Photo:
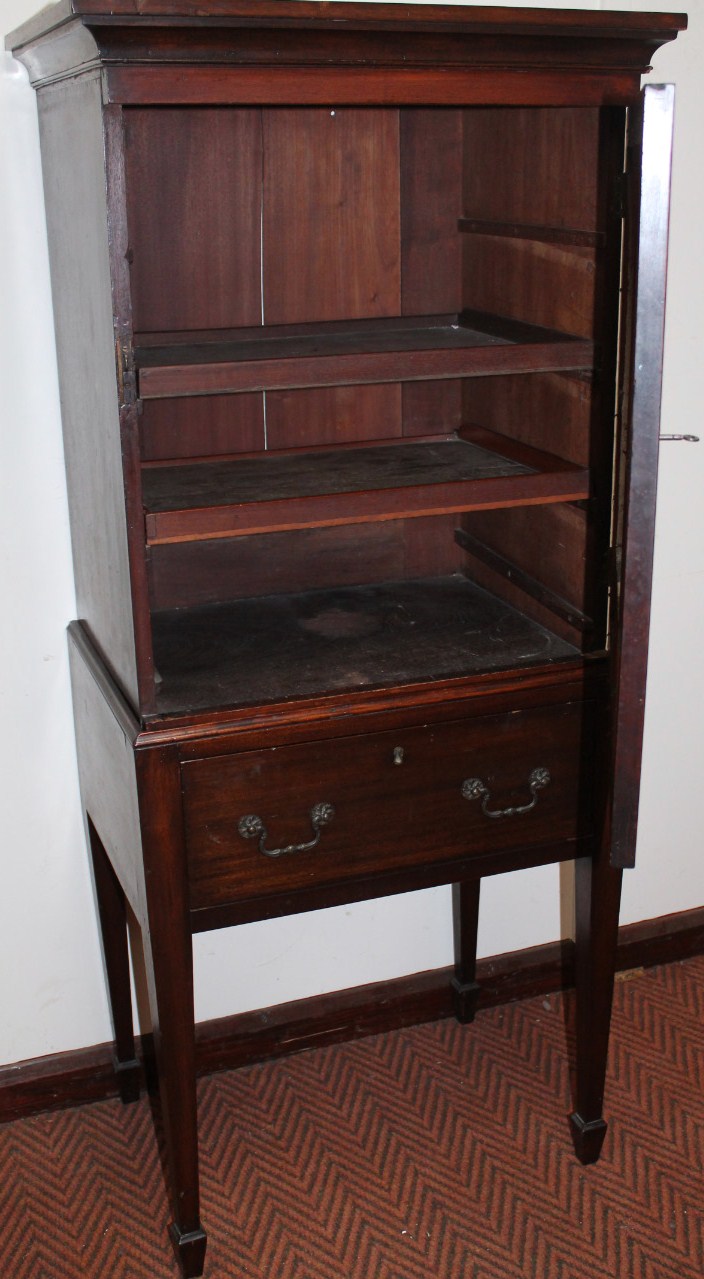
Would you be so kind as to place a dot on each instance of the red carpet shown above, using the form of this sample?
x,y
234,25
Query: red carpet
x,y
439,1152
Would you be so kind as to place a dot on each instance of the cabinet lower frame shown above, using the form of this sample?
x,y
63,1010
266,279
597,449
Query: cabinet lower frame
x,y
148,838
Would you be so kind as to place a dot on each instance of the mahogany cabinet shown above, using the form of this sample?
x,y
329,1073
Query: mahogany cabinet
x,y
359,311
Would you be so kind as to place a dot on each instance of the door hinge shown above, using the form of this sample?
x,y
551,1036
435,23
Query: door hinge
x,y
126,379
620,195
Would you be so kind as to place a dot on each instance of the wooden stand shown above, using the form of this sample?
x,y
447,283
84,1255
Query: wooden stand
x,y
363,599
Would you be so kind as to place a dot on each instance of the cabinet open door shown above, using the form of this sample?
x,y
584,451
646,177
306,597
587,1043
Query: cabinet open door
x,y
645,266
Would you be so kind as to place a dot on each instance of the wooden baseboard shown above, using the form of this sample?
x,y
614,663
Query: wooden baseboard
x,y
75,1078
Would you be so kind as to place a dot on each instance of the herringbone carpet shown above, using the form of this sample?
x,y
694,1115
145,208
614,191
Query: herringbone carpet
x,y
438,1152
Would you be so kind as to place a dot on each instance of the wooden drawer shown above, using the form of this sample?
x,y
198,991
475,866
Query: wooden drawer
x,y
383,801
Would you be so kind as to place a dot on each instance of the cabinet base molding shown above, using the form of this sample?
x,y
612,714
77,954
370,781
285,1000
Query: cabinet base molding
x,y
85,1075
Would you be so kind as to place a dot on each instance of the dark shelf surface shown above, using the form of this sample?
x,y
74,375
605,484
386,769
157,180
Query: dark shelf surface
x,y
305,489
283,647
274,477
396,349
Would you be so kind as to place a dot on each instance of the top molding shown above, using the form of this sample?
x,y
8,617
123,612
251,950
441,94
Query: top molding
x,y
358,17
142,43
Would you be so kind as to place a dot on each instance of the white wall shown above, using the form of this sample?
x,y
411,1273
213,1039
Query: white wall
x,y
52,988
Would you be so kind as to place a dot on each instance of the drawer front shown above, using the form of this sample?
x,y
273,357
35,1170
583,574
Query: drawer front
x,y
324,812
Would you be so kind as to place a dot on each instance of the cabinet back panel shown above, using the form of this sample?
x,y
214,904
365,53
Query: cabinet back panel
x,y
331,214
431,249
193,211
332,415
187,574
332,251
206,426
431,407
431,201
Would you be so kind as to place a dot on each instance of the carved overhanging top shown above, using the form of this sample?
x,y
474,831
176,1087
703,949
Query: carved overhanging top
x,y
363,16
76,34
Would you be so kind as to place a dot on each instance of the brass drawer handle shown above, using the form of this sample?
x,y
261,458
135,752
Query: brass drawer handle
x,y
252,827
474,788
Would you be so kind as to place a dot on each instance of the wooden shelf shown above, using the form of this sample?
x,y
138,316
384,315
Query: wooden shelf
x,y
405,349
273,492
268,650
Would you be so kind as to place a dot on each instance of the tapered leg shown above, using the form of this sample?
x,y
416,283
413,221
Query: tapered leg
x,y
113,927
598,896
169,960
465,907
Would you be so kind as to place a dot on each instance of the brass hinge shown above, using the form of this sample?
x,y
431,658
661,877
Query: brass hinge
x,y
124,364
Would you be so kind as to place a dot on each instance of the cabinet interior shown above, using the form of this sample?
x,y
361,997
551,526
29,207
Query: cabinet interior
x,y
373,397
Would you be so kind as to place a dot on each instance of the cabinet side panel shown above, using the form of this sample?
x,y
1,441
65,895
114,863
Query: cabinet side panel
x,y
552,545
73,161
543,164
107,773
550,411
536,158
542,244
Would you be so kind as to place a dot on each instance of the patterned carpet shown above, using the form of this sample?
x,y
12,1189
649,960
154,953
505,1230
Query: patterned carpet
x,y
438,1152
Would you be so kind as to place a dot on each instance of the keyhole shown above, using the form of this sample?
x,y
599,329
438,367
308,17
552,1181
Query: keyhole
x,y
398,754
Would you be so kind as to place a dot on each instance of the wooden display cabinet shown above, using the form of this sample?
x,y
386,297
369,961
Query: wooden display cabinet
x,y
349,300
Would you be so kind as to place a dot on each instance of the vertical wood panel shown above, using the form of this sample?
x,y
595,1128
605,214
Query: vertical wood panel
x,y
430,547
73,161
431,202
545,170
331,252
532,165
543,165
107,771
194,200
332,415
200,425
549,543
549,411
185,574
193,573
533,282
331,214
